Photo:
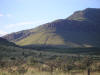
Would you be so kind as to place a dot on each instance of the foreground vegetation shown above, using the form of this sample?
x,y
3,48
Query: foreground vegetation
x,y
21,61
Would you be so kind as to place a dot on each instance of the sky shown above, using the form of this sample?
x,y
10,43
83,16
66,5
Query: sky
x,y
16,15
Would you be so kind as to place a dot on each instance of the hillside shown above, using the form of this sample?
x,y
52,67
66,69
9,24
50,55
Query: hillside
x,y
81,29
6,42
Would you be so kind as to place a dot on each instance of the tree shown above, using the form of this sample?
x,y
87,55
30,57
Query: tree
x,y
88,62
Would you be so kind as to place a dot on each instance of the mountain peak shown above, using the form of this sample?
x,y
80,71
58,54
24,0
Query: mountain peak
x,y
88,14
91,9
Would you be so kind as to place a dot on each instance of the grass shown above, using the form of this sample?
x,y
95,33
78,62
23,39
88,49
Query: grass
x,y
34,72
42,38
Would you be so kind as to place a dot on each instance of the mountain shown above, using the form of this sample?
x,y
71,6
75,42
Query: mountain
x,y
81,29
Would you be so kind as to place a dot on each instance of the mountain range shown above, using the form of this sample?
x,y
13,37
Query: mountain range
x,y
81,29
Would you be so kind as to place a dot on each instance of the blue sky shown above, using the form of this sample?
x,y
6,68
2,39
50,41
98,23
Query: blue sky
x,y
16,15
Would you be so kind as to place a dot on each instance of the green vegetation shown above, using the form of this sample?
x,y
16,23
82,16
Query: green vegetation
x,y
46,38
48,61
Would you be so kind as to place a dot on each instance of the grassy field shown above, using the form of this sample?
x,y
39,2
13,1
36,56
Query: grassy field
x,y
49,61
34,72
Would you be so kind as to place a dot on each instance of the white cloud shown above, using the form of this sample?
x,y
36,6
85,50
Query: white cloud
x,y
1,15
8,15
2,33
17,24
34,23
23,25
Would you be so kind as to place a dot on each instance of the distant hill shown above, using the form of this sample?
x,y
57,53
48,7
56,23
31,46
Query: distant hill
x,y
81,29
5,42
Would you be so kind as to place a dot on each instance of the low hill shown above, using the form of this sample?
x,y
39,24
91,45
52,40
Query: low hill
x,y
6,42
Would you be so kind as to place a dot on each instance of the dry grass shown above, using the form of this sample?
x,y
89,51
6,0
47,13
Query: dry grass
x,y
32,71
